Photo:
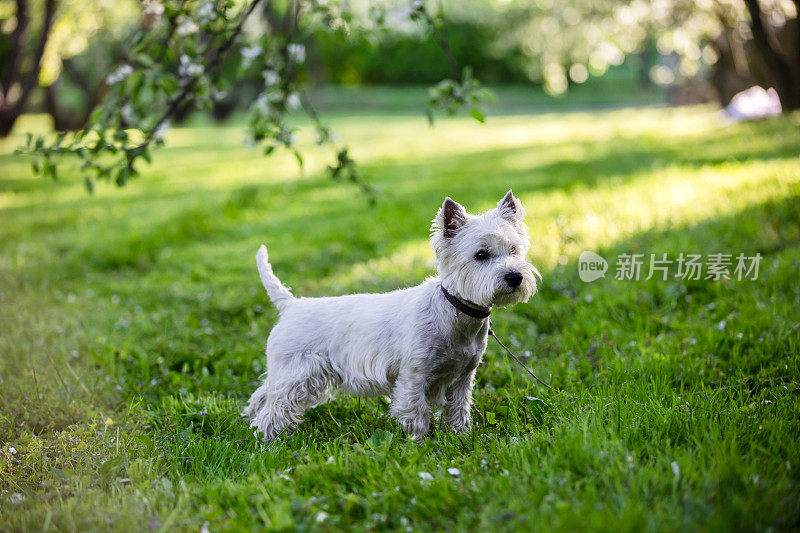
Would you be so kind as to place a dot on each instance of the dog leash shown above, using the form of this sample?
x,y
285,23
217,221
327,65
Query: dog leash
x,y
528,370
476,312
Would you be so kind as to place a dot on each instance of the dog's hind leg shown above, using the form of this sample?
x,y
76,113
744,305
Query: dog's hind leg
x,y
279,404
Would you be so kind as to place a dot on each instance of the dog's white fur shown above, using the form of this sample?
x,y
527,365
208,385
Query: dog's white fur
x,y
410,344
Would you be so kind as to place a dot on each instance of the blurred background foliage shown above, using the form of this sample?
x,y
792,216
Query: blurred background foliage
x,y
118,73
697,50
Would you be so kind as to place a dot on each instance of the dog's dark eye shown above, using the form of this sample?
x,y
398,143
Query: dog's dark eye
x,y
513,250
482,255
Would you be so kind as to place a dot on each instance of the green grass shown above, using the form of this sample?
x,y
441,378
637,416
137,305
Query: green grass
x,y
132,326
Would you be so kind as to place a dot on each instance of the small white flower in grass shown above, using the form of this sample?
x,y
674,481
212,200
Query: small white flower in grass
x,y
676,469
321,517
721,325
296,52
455,472
12,450
16,498
426,476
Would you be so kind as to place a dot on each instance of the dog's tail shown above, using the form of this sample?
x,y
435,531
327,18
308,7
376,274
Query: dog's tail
x,y
276,290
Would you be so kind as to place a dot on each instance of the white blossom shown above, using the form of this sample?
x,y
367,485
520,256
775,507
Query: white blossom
x,y
206,12
293,101
262,105
122,72
187,68
455,472
425,476
128,114
186,27
153,8
12,450
297,52
270,77
161,131
249,53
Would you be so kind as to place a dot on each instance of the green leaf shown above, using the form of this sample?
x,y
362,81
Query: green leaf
x,y
477,115
380,440
122,176
298,156
491,418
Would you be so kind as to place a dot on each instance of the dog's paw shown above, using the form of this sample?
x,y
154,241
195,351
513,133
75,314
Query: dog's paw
x,y
416,428
460,422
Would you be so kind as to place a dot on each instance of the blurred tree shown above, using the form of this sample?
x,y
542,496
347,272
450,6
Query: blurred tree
x,y
193,54
22,46
55,43
741,41
87,41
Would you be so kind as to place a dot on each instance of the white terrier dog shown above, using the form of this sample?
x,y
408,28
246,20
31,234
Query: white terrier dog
x,y
420,346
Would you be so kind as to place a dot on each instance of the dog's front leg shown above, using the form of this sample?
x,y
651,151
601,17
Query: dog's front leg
x,y
458,402
409,405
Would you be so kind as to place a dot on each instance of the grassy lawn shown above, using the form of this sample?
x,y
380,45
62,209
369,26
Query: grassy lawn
x,y
132,327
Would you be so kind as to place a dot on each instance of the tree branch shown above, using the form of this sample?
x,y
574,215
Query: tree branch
x,y
176,102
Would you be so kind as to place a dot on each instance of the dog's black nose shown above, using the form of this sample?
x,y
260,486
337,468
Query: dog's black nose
x,y
514,279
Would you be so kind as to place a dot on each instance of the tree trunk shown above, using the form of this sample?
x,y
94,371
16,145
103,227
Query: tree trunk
x,y
10,111
785,72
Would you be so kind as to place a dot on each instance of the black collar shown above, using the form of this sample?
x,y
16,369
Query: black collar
x,y
464,308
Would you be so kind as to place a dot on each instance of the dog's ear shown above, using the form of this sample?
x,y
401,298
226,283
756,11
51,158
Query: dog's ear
x,y
450,218
510,207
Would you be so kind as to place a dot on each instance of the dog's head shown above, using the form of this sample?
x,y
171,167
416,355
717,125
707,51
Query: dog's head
x,y
481,258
